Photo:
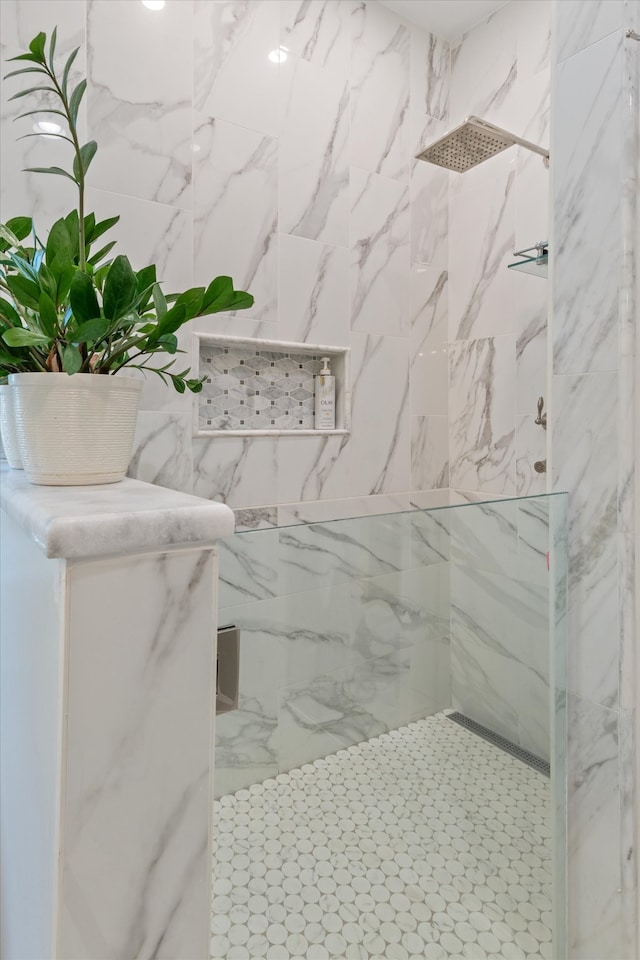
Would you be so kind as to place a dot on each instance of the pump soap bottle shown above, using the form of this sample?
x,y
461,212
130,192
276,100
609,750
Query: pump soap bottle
x,y
325,386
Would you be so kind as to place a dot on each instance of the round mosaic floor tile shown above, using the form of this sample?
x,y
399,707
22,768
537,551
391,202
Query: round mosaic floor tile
x,y
426,843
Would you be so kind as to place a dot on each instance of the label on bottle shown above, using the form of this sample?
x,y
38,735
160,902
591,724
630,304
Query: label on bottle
x,y
325,405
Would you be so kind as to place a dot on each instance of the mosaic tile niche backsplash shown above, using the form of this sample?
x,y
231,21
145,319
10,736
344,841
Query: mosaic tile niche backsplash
x,y
249,389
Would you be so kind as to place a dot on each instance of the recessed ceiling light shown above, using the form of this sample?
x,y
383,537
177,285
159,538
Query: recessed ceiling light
x,y
47,128
153,4
279,55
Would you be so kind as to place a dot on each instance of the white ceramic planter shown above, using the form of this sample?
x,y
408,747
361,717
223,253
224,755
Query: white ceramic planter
x,y
8,428
75,430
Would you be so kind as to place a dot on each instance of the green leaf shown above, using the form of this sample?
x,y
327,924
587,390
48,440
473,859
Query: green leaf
x,y
37,45
24,56
9,313
92,331
63,271
75,100
23,267
159,301
146,278
97,257
25,93
220,295
83,299
52,46
72,220
20,226
101,228
172,321
119,288
8,236
71,359
57,170
32,113
81,164
191,300
67,68
25,292
195,385
219,291
16,73
47,281
48,316
19,337
59,243
89,226
169,343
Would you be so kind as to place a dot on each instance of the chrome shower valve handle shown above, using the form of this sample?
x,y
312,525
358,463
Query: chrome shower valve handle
x,y
541,419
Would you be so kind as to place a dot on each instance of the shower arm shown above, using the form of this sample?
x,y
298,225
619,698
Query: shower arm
x,y
519,140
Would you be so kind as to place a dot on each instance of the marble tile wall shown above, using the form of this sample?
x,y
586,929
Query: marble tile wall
x,y
500,670
344,635
278,148
497,325
594,449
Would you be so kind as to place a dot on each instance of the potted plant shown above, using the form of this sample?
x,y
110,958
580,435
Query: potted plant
x,y
71,316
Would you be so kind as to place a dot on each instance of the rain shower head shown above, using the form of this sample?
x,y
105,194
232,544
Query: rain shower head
x,y
472,142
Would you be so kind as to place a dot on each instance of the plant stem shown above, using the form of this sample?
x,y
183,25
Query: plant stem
x,y
80,181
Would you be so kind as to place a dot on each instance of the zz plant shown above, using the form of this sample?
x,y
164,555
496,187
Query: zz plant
x,y
64,305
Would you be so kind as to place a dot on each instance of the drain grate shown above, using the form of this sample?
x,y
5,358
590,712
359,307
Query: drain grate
x,y
529,758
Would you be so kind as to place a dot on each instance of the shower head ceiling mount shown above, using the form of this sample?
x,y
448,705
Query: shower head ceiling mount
x,y
472,142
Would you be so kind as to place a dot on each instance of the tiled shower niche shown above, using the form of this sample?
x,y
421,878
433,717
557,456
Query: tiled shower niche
x,y
260,386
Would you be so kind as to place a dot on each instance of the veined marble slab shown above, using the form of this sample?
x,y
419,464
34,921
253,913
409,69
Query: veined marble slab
x,y
115,518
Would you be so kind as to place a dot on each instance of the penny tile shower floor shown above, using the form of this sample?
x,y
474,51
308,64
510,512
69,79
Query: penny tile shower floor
x,y
427,842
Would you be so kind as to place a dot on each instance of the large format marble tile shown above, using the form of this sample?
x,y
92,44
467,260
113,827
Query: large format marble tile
x,y
314,468
581,23
399,611
534,38
248,567
343,708
313,292
429,363
429,188
314,155
239,471
500,655
343,551
380,457
485,536
593,828
429,75
482,395
481,244
235,225
380,259
138,111
531,344
121,806
380,82
585,464
429,453
162,450
531,448
235,79
588,131
319,31
484,71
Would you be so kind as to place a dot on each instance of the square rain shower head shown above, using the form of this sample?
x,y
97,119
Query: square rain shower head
x,y
467,145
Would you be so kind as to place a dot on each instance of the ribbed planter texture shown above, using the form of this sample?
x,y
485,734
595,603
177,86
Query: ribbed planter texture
x,y
75,430
8,428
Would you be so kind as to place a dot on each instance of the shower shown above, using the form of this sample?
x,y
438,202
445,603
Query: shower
x,y
472,142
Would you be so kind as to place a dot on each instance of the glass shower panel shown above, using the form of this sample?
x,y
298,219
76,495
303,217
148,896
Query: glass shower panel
x,y
369,802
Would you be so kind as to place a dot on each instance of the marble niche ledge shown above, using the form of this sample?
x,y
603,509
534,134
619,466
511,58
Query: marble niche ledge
x,y
110,519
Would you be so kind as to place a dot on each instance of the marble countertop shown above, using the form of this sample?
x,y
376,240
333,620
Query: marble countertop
x,y
110,519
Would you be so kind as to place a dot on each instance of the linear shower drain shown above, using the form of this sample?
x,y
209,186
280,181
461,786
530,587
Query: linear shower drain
x,y
529,758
